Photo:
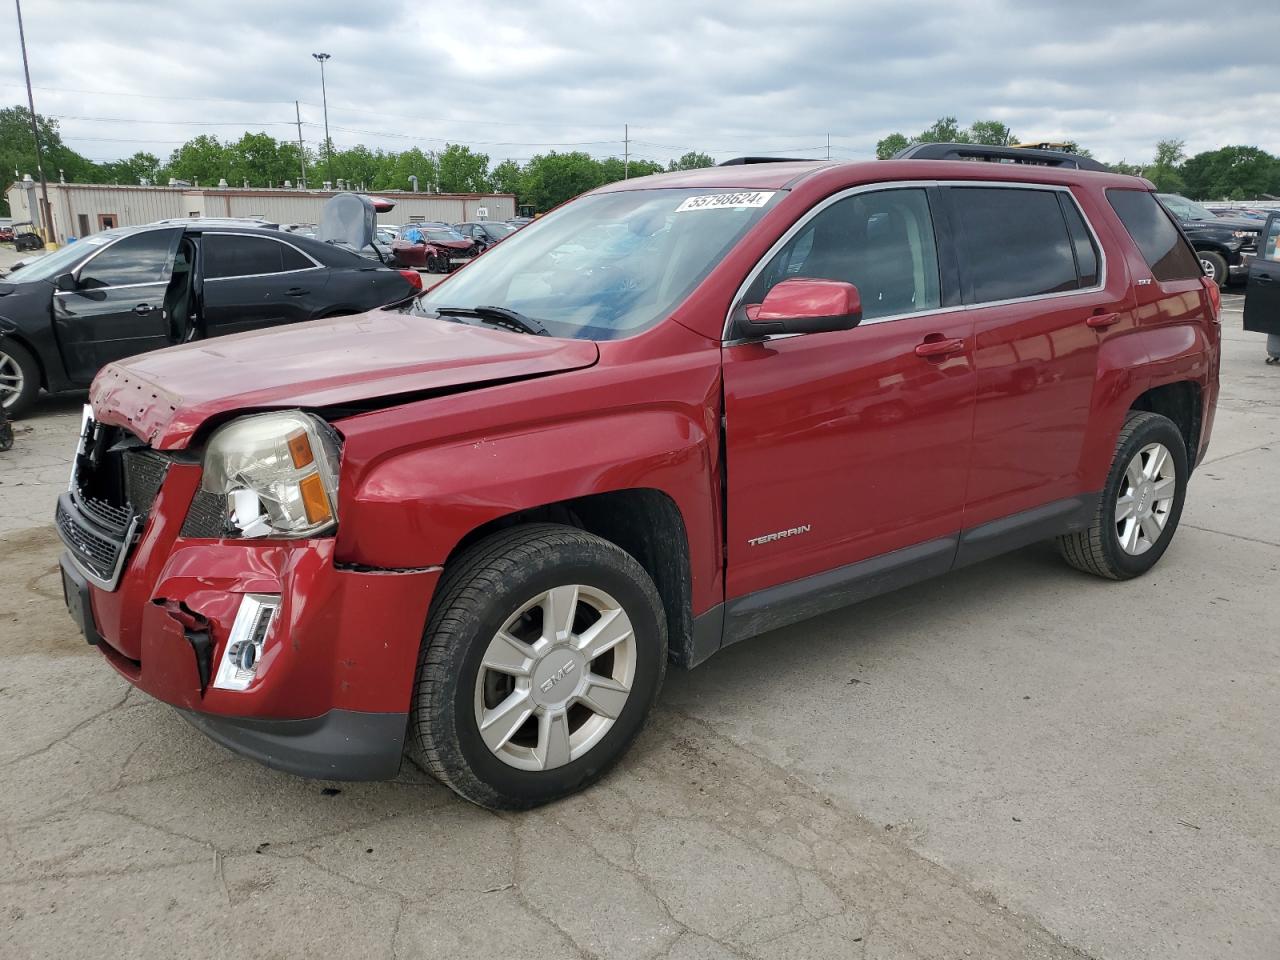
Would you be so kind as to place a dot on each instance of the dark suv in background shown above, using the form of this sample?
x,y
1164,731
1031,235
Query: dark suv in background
x,y
1225,245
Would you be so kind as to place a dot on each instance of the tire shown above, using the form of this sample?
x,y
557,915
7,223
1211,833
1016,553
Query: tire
x,y
512,582
1214,266
1120,552
19,378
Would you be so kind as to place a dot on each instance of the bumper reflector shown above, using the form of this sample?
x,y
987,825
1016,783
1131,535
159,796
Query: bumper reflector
x,y
238,665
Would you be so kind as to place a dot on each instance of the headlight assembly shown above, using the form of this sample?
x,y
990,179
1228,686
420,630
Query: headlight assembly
x,y
278,472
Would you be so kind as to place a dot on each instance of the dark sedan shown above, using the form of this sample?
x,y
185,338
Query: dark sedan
x,y
485,232
134,289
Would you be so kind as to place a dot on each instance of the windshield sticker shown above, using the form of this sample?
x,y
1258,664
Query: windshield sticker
x,y
721,201
96,241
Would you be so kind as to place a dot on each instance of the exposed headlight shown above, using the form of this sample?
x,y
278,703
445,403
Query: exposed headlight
x,y
279,473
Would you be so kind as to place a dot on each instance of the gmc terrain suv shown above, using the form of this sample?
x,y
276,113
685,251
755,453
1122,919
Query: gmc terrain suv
x,y
479,526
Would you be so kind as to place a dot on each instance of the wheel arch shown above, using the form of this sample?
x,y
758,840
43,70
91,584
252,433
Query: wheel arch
x,y
646,523
27,345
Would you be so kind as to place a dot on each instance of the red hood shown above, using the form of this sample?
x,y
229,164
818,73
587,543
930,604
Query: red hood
x,y
165,396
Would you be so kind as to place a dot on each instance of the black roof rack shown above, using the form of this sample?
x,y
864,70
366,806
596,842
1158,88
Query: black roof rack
x,y
974,151
738,161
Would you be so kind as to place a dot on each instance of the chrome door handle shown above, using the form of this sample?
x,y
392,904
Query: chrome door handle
x,y
143,308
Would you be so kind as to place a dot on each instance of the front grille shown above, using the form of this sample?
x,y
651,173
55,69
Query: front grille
x,y
114,482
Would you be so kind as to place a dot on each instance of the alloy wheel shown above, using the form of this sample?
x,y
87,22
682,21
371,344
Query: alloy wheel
x,y
11,380
1210,269
555,678
1145,500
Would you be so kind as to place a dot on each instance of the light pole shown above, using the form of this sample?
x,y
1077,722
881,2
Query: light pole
x,y
324,99
47,219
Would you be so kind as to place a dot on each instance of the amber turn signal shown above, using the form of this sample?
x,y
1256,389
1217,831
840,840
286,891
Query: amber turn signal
x,y
314,499
300,450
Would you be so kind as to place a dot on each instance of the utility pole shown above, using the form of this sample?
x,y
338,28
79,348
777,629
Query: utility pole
x,y
324,99
47,218
626,151
302,153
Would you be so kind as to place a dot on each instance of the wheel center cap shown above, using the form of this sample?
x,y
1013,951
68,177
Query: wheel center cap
x,y
556,676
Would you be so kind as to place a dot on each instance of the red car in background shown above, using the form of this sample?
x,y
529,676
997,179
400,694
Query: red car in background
x,y
434,247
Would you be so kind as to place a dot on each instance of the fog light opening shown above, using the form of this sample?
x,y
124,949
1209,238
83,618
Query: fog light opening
x,y
240,661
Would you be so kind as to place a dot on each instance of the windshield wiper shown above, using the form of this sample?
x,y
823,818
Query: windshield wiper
x,y
501,316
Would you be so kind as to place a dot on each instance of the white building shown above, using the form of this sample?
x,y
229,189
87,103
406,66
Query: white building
x,y
80,209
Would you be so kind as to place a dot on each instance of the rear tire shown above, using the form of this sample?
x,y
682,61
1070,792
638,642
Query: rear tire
x,y
510,710
1140,505
1214,266
19,378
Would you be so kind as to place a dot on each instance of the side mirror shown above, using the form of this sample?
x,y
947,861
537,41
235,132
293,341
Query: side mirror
x,y
65,282
802,305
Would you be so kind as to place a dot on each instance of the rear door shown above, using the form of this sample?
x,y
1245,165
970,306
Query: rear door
x,y
847,445
117,308
252,281
1262,295
1032,274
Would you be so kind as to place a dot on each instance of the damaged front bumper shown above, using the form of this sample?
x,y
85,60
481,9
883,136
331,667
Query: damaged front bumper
x,y
325,689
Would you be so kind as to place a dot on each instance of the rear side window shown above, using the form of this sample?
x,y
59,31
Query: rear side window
x,y
1081,242
1168,255
232,255
881,242
1015,243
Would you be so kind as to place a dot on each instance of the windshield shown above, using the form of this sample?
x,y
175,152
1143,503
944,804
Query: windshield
x,y
444,236
63,260
608,265
497,229
1186,209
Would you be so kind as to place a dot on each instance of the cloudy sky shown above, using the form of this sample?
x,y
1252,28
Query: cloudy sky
x,y
724,76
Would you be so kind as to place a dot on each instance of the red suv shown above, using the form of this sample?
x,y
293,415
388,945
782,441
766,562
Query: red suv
x,y
480,525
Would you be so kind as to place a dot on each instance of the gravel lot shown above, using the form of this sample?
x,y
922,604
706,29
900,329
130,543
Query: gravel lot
x,y
1012,761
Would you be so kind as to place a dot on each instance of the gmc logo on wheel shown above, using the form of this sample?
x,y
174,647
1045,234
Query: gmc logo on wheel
x,y
556,677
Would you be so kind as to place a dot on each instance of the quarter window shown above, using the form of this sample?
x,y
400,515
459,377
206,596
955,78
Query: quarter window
x,y
233,255
1163,247
1082,242
139,258
1015,243
881,242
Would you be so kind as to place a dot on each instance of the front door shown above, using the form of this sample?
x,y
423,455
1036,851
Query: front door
x,y
845,446
1262,295
117,307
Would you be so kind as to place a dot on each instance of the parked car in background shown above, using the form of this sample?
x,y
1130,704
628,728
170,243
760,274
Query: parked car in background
x,y
1248,213
519,222
1225,245
1262,295
481,524
435,248
485,232
6,233
135,289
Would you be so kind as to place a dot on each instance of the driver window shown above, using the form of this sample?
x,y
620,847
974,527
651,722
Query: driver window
x,y
881,242
145,257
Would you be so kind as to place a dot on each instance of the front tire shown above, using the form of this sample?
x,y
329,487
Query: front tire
x,y
1140,505
543,654
19,378
1214,266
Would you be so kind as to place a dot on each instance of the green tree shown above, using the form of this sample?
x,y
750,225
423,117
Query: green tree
x,y
693,160
18,152
1123,166
508,177
1163,171
462,171
262,160
1231,173
944,130
131,170
891,146
552,178
613,168
992,133
202,160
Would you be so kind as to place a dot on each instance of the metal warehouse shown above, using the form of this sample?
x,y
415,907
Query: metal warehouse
x,y
80,209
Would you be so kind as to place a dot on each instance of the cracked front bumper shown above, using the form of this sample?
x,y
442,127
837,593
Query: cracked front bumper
x,y
331,693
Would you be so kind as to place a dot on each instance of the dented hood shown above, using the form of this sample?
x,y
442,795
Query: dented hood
x,y
165,396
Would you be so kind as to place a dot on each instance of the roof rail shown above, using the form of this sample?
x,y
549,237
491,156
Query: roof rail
x,y
738,161
975,151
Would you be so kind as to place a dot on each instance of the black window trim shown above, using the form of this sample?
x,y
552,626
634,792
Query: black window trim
x,y
316,264
1065,194
945,258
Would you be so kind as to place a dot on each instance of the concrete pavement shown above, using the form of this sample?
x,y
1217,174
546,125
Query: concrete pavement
x,y
1015,760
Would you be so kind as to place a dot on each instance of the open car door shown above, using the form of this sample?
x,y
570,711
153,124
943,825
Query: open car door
x,y
1262,295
